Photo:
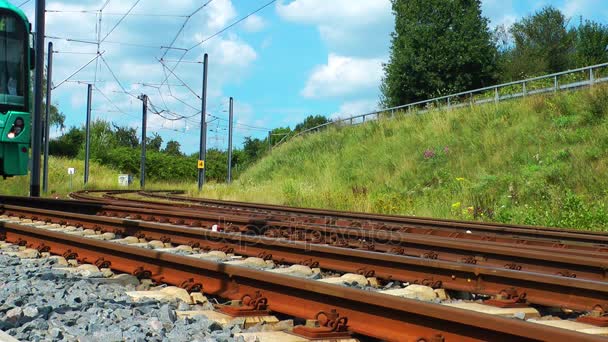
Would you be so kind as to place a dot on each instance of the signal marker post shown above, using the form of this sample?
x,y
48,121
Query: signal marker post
x,y
47,120
202,153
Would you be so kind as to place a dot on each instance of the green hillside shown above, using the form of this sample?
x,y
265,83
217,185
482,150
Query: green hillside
x,y
542,160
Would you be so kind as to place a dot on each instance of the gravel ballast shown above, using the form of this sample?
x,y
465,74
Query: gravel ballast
x,y
40,303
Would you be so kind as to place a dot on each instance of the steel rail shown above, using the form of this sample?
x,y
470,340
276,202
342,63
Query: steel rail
x,y
371,314
543,289
422,225
532,241
535,259
567,263
582,235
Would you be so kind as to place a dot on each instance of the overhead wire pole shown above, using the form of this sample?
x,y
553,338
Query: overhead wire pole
x,y
144,124
87,149
231,118
37,117
202,153
47,121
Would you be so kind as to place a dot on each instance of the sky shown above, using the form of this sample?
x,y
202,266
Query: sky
x,y
290,59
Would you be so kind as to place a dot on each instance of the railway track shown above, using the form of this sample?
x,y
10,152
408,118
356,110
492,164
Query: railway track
x,y
568,275
543,289
527,236
369,313
547,261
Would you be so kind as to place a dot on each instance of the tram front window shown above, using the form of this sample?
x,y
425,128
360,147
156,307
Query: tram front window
x,y
13,69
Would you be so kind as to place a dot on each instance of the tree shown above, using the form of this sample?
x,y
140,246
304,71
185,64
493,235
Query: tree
x,y
542,44
253,148
173,148
277,134
310,122
591,44
67,145
438,47
154,143
126,136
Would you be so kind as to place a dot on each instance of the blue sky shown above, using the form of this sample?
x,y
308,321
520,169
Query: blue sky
x,y
291,59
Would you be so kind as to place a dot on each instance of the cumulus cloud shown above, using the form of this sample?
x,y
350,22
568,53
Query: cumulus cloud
x,y
499,12
231,57
348,27
254,23
343,76
356,107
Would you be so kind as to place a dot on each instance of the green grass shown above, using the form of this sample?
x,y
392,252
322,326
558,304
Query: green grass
x,y
542,160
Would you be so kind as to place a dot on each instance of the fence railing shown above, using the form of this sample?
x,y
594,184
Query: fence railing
x,y
565,80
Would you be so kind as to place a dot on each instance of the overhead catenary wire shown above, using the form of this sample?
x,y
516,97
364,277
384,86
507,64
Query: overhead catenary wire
x,y
112,102
77,71
119,21
169,71
218,33
119,14
181,29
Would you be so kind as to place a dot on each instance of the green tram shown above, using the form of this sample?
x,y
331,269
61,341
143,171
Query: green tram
x,y
15,90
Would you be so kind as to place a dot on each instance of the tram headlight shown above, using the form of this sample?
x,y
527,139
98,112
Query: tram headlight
x,y
16,129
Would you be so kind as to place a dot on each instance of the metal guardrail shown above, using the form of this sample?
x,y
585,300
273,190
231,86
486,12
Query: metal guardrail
x,y
491,94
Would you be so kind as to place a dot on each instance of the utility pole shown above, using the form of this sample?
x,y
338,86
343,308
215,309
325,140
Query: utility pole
x,y
47,120
87,146
144,124
202,153
230,119
37,114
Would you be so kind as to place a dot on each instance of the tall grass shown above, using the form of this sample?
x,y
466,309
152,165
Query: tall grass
x,y
542,160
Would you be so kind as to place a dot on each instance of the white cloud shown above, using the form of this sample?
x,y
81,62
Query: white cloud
x,y
588,9
349,27
499,12
232,52
344,76
254,23
356,107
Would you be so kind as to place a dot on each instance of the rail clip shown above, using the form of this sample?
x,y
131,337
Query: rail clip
x,y
598,317
248,306
326,325
508,298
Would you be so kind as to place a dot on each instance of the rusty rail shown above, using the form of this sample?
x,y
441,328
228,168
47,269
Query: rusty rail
x,y
371,314
596,242
544,289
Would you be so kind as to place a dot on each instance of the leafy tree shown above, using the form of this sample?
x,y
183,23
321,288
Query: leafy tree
x,y
67,145
216,165
277,134
310,122
154,143
126,136
173,148
103,139
591,44
438,47
253,148
541,44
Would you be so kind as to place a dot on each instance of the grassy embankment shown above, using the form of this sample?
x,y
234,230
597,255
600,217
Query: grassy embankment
x,y
541,161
